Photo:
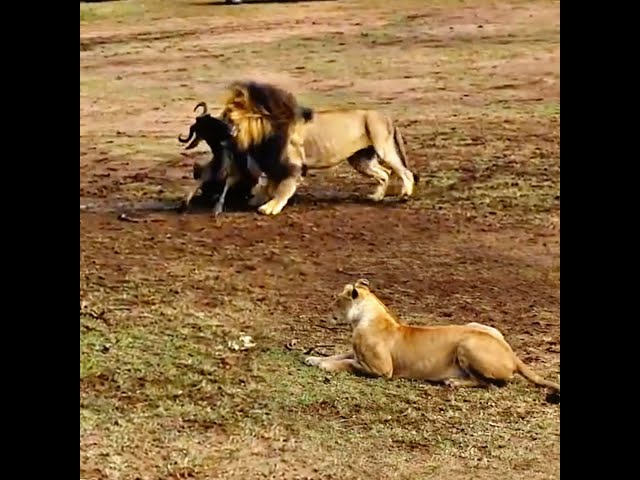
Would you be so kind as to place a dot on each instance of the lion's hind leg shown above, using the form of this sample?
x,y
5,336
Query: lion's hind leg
x,y
389,156
381,134
365,162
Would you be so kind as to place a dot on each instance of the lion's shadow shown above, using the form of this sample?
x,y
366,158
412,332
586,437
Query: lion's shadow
x,y
203,204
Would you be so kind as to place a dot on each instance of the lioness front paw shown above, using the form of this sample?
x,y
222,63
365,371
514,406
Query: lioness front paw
x,y
313,361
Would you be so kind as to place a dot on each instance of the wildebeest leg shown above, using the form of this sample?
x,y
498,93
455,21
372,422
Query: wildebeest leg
x,y
253,168
187,200
205,174
259,194
229,182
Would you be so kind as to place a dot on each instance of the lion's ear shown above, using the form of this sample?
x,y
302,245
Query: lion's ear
x,y
354,293
362,282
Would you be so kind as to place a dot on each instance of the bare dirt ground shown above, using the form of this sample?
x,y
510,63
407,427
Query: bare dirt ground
x,y
164,394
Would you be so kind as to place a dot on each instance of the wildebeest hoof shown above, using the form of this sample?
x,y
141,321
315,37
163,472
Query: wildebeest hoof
x,y
182,207
217,210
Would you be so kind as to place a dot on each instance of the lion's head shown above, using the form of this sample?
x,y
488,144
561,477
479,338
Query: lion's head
x,y
261,111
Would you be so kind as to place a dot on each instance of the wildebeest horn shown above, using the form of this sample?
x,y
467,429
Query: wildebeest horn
x,y
191,134
204,108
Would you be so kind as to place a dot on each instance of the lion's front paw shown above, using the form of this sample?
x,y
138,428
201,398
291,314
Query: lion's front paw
x,y
270,208
313,361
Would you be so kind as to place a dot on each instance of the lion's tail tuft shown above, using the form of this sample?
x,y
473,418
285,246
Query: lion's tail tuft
x,y
305,113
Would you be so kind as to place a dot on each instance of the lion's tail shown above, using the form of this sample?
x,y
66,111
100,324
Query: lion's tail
x,y
304,113
399,141
533,377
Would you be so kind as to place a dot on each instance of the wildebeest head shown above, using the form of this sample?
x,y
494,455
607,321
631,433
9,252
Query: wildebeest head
x,y
216,132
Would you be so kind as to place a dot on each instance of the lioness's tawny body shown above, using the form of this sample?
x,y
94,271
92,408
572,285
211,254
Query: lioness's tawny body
x,y
459,355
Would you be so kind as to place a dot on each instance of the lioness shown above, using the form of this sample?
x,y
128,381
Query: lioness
x,y
362,137
457,355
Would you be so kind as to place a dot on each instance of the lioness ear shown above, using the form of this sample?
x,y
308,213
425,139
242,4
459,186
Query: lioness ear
x,y
354,293
363,282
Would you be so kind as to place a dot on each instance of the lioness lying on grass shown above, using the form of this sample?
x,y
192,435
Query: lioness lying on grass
x,y
457,355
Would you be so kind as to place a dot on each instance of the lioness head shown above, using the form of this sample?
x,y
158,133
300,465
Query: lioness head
x,y
353,296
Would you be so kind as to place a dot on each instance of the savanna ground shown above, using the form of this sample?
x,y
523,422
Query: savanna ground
x,y
164,394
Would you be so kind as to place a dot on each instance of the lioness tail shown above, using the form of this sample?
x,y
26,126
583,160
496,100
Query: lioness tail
x,y
533,377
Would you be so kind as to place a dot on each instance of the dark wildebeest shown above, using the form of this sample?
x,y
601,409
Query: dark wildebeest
x,y
227,168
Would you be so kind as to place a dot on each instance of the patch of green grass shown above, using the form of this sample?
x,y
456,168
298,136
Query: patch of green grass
x,y
551,109
151,387
343,413
116,10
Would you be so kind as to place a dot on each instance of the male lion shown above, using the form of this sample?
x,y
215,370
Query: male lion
x,y
263,117
457,355
362,137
